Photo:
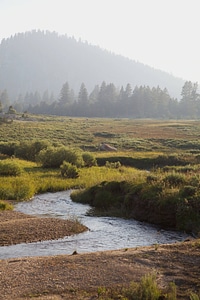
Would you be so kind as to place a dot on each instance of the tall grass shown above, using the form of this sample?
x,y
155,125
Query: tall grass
x,y
146,289
19,188
35,180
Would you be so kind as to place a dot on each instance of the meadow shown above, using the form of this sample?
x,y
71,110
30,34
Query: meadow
x,y
125,134
156,165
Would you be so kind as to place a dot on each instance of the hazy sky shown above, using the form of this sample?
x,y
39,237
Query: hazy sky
x,y
164,34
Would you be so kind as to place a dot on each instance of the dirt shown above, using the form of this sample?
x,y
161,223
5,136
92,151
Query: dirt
x,y
80,276
19,228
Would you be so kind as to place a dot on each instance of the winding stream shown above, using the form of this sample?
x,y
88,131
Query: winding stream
x,y
105,233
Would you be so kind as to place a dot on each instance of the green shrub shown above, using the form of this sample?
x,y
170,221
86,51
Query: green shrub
x,y
188,191
30,150
10,168
89,159
174,179
5,206
53,157
68,170
146,289
113,165
7,148
170,160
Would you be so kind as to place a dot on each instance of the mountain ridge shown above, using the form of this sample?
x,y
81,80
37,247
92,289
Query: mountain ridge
x,y
43,60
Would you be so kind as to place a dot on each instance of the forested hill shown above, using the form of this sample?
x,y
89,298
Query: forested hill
x,y
41,61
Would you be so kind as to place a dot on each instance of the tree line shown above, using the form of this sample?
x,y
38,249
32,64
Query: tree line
x,y
107,100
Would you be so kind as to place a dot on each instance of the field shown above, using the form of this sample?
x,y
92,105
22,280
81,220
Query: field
x,y
125,134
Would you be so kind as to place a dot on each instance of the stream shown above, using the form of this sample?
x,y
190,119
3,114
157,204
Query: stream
x,y
105,233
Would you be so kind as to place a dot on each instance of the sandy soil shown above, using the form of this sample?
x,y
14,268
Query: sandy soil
x,y
79,276
19,228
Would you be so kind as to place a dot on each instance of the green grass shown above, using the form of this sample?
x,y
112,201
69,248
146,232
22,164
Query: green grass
x,y
146,289
125,134
36,180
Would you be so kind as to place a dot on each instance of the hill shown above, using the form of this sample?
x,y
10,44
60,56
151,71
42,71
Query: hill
x,y
40,61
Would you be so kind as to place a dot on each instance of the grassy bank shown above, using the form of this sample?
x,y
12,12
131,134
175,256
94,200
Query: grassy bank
x,y
170,200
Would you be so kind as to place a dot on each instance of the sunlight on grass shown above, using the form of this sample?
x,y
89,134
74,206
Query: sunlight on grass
x,y
95,175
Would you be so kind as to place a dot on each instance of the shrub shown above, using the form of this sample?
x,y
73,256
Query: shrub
x,y
113,165
174,179
7,148
146,289
89,159
30,150
68,170
5,206
170,160
188,191
53,157
9,168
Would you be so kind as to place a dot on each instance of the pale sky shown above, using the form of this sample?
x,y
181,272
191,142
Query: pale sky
x,y
164,34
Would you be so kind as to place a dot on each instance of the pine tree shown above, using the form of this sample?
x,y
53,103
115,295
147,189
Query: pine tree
x,y
65,95
83,94
4,98
188,102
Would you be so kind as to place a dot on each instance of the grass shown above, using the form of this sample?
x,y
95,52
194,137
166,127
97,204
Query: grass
x,y
125,134
37,180
146,289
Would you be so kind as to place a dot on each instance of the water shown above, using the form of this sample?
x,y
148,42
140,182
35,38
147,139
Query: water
x,y
105,233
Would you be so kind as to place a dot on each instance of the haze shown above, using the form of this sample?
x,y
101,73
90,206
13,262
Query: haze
x,y
161,33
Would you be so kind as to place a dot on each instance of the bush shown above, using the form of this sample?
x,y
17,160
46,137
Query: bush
x,y
174,179
9,168
113,165
89,159
68,170
30,150
7,148
53,157
148,289
5,206
188,191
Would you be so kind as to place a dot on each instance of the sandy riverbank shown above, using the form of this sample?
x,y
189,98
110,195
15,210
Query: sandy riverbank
x,y
79,276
